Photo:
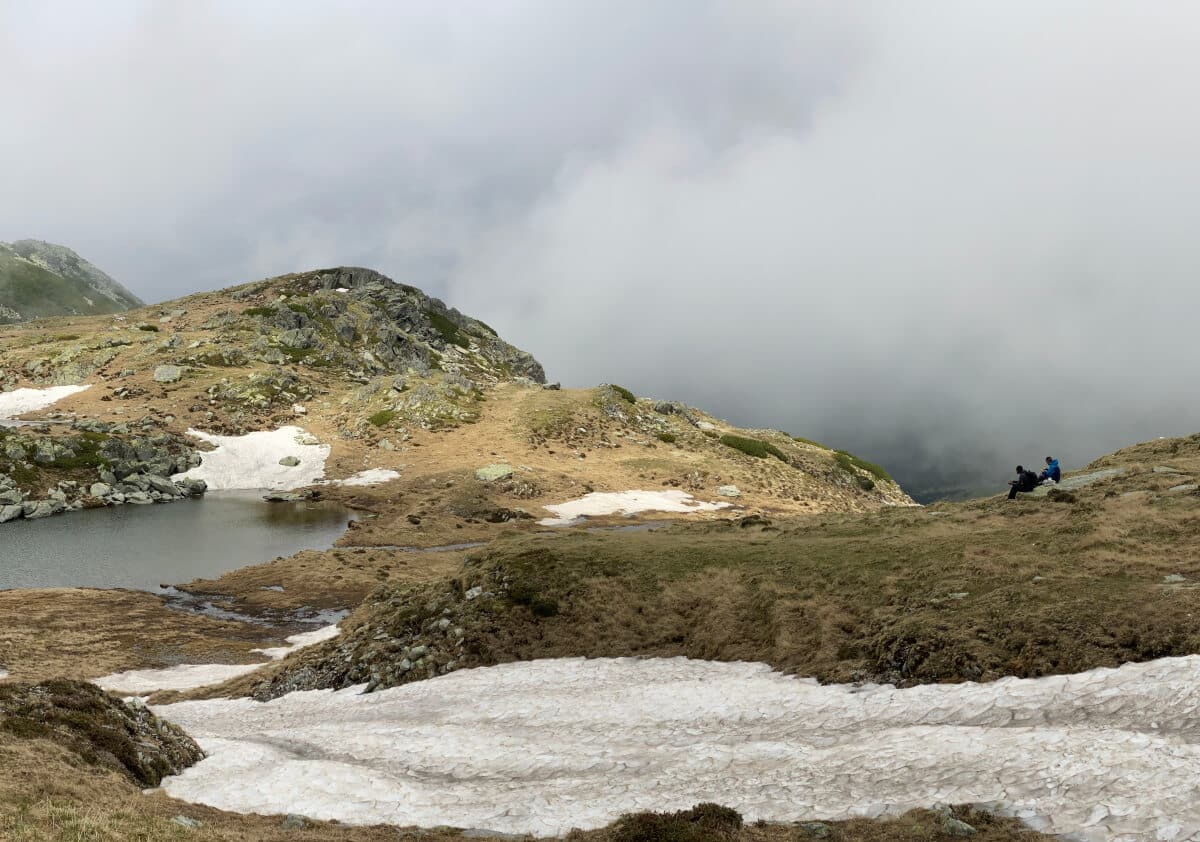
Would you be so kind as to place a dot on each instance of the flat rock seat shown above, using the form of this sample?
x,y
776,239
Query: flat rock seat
x,y
1077,481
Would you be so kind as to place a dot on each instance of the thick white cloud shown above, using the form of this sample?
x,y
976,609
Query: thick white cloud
x,y
918,229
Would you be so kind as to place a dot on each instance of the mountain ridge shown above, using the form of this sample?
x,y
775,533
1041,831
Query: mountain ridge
x,y
40,279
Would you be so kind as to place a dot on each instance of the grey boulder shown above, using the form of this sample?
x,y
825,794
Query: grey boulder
x,y
168,374
43,508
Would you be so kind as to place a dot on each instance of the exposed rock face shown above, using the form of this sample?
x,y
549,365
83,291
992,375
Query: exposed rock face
x,y
100,728
39,279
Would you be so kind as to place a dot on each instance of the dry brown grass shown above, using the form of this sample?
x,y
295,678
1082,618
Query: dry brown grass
x,y
971,591
78,633
337,578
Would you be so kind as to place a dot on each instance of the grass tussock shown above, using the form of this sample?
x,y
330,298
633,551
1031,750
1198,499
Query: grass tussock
x,y
848,463
666,438
623,393
702,823
447,329
382,418
753,447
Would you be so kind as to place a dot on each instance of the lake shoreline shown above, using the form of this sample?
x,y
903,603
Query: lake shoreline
x,y
144,548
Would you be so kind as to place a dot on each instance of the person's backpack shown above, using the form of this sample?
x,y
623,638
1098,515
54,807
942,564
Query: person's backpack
x,y
1029,480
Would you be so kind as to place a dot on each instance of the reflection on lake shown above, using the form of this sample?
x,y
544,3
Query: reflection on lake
x,y
144,546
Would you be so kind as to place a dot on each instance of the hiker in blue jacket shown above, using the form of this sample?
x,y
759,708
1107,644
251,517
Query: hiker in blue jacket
x,y
1052,471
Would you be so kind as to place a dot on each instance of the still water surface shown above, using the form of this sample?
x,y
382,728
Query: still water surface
x,y
144,546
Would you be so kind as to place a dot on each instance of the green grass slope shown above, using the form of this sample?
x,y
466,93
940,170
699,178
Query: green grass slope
x,y
31,291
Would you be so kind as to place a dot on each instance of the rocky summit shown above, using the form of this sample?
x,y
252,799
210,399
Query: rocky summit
x,y
39,279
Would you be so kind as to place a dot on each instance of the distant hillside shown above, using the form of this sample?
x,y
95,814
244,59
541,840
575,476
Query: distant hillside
x,y
40,279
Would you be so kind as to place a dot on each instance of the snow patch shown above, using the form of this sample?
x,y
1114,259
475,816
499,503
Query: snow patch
x,y
20,401
182,677
251,461
299,641
541,747
191,676
601,503
3,673
374,476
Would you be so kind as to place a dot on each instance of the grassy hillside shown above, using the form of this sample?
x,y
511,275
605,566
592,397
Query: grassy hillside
x,y
1097,576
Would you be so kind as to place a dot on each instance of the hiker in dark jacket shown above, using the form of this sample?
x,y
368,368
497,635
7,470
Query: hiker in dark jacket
x,y
1052,471
1025,481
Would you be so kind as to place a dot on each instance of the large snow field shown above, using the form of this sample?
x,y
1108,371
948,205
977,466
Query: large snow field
x,y
600,503
252,460
19,401
191,676
541,747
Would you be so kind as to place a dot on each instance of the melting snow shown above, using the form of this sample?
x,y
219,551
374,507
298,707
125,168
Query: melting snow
x,y
20,401
191,676
252,460
375,476
601,503
544,746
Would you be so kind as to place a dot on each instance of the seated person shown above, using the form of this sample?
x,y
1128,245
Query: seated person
x,y
1052,471
1025,481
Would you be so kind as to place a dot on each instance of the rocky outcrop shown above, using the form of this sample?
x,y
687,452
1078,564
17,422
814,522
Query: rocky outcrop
x,y
362,320
94,464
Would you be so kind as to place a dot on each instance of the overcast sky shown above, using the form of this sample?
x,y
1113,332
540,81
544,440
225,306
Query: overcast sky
x,y
951,236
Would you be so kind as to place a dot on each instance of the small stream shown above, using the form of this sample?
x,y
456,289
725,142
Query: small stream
x,y
141,547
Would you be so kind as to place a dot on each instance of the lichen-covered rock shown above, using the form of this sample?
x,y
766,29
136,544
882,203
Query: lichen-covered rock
x,y
168,374
494,473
